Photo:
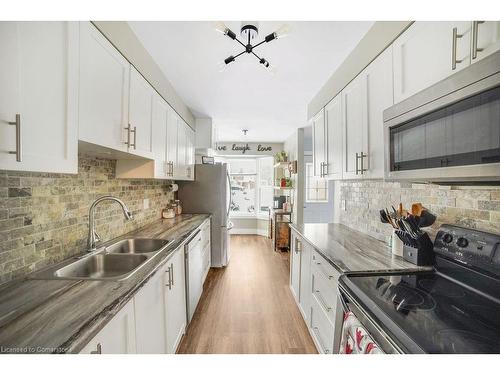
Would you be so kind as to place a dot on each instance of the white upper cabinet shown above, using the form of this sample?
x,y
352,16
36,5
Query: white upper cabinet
x,y
334,139
104,91
39,96
139,128
180,167
175,300
428,52
319,144
379,96
190,158
485,39
171,144
159,137
355,124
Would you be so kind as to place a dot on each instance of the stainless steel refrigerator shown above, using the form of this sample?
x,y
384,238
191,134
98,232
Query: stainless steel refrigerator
x,y
210,192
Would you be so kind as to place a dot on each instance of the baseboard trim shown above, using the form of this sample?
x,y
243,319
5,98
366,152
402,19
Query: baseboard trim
x,y
258,232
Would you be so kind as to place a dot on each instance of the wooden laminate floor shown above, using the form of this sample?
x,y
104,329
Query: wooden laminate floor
x,y
248,307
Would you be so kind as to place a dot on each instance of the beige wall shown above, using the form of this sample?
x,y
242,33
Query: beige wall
x,y
44,216
380,35
124,39
250,226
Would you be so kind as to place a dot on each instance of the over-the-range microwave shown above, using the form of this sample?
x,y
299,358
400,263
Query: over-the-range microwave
x,y
449,131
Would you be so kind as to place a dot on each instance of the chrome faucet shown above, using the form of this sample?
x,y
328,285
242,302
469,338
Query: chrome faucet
x,y
93,237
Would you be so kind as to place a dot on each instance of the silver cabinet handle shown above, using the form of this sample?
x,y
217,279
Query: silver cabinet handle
x,y
171,164
363,156
454,60
357,158
135,137
169,285
18,151
322,301
475,31
127,128
316,329
325,165
321,169
172,273
298,246
98,349
329,277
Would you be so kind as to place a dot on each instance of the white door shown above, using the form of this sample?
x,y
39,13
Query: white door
x,y
334,139
295,266
39,96
172,135
423,55
319,143
354,127
159,137
149,307
488,39
378,76
118,336
175,300
181,170
305,279
140,115
104,91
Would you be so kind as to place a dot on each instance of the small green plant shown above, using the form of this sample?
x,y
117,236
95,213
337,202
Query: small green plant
x,y
281,157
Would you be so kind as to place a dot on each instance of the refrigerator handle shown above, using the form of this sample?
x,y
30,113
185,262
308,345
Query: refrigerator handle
x,y
230,195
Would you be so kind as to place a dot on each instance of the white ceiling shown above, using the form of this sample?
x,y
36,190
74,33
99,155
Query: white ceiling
x,y
245,96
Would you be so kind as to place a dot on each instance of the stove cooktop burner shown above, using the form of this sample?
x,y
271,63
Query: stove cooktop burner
x,y
450,290
404,297
463,342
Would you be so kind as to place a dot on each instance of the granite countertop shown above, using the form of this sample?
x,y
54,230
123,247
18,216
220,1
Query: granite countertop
x,y
62,316
351,251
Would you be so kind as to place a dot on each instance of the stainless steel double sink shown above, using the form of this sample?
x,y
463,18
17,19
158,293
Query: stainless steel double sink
x,y
115,262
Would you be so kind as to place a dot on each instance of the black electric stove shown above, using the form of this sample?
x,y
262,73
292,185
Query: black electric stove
x,y
453,309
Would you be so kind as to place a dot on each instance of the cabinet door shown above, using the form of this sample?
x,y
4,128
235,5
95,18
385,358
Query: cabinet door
x,y
172,135
159,139
149,307
140,114
295,266
305,279
181,170
39,84
175,300
423,55
104,90
378,77
118,336
488,39
190,152
319,143
334,140
354,127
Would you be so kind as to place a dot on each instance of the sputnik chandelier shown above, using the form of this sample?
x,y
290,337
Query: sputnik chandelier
x,y
249,31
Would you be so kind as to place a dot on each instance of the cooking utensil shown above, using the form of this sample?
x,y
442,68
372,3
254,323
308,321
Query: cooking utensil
x,y
416,209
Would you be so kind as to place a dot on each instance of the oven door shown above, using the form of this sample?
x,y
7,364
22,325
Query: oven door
x,y
450,131
368,334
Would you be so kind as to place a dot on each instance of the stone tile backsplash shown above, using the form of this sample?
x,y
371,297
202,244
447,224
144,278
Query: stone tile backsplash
x,y
44,216
469,206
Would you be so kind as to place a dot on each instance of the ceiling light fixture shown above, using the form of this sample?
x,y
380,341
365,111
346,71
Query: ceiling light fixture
x,y
249,31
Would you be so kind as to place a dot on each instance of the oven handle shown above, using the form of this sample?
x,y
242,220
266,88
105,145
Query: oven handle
x,y
343,301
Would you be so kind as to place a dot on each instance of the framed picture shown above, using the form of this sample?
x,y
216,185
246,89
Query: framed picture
x,y
207,160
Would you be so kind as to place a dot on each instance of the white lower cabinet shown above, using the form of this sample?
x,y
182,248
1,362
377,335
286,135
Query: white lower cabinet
x,y
314,284
39,96
175,301
149,306
154,321
118,336
206,249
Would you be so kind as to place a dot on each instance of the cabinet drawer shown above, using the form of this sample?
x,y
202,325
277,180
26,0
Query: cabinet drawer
x,y
321,327
324,285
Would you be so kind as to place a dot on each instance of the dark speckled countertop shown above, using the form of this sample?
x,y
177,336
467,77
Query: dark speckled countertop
x,y
64,315
351,251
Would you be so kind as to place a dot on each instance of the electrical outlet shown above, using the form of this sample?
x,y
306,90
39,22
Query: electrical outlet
x,y
344,205
146,203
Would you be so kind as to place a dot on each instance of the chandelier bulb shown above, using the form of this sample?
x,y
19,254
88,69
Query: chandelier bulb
x,y
221,27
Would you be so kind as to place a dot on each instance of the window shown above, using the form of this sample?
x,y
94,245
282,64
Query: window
x,y
251,185
316,188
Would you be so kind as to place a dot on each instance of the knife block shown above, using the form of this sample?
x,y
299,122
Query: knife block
x,y
419,251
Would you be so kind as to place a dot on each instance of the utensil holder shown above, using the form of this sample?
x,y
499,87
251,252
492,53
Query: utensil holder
x,y
419,250
396,244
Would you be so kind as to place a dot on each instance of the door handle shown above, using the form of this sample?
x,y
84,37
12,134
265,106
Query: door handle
x,y
172,273
454,61
135,137
18,151
357,158
363,156
169,285
475,31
